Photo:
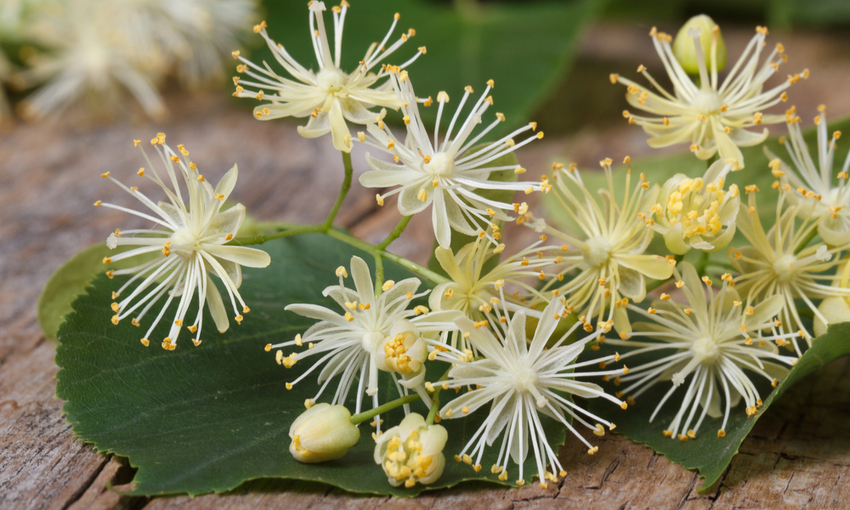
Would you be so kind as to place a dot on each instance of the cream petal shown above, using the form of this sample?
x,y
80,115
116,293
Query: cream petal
x,y
694,287
387,179
216,307
442,229
227,183
242,255
653,266
339,129
631,284
409,203
317,126
674,240
449,264
362,277
229,221
744,138
727,148
835,310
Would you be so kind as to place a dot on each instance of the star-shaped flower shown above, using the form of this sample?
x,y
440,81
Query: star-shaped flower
x,y
190,243
329,96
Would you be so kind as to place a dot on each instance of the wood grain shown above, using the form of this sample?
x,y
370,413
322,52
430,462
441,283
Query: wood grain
x,y
798,454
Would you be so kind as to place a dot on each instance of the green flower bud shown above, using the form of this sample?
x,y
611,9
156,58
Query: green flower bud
x,y
323,432
684,47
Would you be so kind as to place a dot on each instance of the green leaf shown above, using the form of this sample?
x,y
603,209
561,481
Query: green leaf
x,y
709,454
460,240
69,281
208,418
524,47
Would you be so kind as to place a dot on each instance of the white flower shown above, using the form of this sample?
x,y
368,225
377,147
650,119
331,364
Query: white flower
x,y
196,35
412,452
352,344
449,174
521,379
778,262
322,432
713,116
697,213
190,243
713,341
813,180
92,59
475,282
330,97
610,262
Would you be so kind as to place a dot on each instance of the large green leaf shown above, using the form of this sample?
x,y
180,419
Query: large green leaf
x,y
524,47
207,418
709,454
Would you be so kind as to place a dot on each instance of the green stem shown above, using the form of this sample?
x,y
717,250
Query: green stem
x,y
399,228
360,418
262,238
379,273
372,249
343,191
435,400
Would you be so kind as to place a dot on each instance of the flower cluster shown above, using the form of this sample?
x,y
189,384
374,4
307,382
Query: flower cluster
x,y
96,52
516,336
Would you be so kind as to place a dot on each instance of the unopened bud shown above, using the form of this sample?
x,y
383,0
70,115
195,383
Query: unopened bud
x,y
685,50
322,432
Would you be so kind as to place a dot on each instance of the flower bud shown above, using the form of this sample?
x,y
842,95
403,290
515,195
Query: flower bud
x,y
403,352
323,432
412,452
834,309
684,47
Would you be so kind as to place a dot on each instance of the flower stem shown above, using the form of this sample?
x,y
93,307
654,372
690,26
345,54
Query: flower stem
x,y
399,228
435,400
343,191
381,247
360,418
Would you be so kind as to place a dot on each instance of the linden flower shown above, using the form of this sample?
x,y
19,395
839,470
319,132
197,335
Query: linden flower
x,y
190,242
329,96
521,378
412,452
778,262
610,262
365,337
815,180
712,344
697,213
713,116
91,60
447,174
473,285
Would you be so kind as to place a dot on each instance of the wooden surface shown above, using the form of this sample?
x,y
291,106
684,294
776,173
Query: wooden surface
x,y
798,454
